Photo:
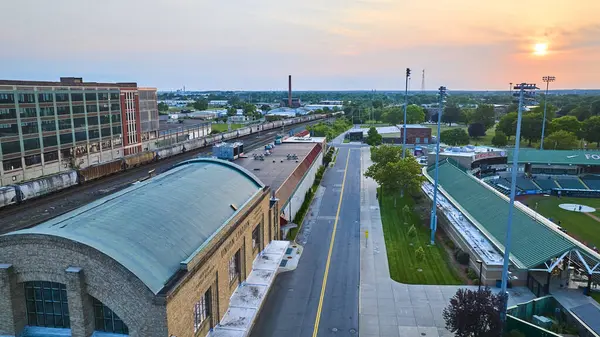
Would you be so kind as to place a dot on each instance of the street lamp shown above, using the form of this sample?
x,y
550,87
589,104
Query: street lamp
x,y
405,106
480,263
525,91
546,79
433,224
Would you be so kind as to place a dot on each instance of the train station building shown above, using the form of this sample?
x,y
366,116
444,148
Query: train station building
x,y
160,258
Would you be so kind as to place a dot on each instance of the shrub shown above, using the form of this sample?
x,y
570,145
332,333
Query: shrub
x,y
515,333
450,244
463,258
420,254
412,232
472,274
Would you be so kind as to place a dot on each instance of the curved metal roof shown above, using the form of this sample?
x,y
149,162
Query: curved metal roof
x,y
151,227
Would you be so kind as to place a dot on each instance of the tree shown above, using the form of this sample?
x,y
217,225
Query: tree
x,y
476,130
373,137
377,104
452,114
566,123
499,139
393,115
265,107
531,127
414,114
582,112
591,130
485,115
249,109
508,124
231,111
162,106
595,108
550,110
466,116
561,140
378,114
201,104
454,137
474,313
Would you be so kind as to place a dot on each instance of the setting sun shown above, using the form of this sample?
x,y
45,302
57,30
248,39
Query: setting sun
x,y
540,49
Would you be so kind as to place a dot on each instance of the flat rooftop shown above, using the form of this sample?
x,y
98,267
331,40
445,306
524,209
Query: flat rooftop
x,y
276,170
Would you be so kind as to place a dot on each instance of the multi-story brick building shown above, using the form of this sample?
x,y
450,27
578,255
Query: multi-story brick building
x,y
161,258
48,127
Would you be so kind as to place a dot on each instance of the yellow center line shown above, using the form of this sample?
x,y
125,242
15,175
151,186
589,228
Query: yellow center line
x,y
337,217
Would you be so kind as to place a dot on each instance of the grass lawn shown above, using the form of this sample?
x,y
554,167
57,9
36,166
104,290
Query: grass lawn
x,y
222,127
404,266
581,226
596,296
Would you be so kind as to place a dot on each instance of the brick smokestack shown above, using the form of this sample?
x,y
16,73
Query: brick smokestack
x,y
289,91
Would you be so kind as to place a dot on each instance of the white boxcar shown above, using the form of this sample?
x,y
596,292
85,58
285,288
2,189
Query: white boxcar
x,y
8,196
39,187
165,152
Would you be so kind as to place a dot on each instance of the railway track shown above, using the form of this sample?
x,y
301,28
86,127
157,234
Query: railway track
x,y
35,211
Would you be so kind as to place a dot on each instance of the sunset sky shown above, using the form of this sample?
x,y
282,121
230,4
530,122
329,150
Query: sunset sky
x,y
324,44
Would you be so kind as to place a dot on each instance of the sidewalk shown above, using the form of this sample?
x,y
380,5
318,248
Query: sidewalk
x,y
388,308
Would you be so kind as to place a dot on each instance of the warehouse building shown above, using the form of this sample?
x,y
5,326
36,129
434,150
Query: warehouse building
x,y
160,258
289,169
48,127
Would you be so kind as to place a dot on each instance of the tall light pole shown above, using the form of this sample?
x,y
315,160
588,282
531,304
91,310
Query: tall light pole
x,y
433,224
546,79
525,91
405,106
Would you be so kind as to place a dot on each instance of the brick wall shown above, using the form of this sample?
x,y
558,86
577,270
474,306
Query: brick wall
x,y
211,270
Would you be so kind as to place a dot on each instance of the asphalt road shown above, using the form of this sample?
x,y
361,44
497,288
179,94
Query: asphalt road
x,y
41,209
294,301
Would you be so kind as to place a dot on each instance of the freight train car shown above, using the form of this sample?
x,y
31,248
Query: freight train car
x,y
138,159
39,187
101,170
8,196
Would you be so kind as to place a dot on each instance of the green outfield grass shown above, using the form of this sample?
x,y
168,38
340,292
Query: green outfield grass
x,y
581,226
404,266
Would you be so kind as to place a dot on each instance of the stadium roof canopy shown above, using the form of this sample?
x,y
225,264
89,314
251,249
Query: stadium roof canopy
x,y
533,243
556,157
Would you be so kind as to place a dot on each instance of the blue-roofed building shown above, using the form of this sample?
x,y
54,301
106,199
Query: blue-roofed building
x,y
159,258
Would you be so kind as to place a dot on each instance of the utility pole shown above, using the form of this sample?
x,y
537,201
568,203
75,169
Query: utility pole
x,y
525,91
423,82
405,106
433,224
546,79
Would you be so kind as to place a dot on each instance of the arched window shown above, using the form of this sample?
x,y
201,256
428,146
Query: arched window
x,y
106,320
46,304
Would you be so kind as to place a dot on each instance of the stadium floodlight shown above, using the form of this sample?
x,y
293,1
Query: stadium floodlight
x,y
405,107
525,90
546,79
433,224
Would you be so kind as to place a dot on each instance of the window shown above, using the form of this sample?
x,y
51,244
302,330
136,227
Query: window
x,y
201,310
66,139
50,156
105,119
114,107
45,97
80,136
62,97
50,141
425,140
79,122
114,95
31,144
27,112
105,132
77,97
29,127
417,140
8,113
63,110
47,111
234,266
90,97
7,98
7,130
46,304
106,320
102,96
116,118
26,98
256,237
35,159
94,134
92,120
78,109
64,124
91,108
103,107
11,164
11,147
48,126
116,130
